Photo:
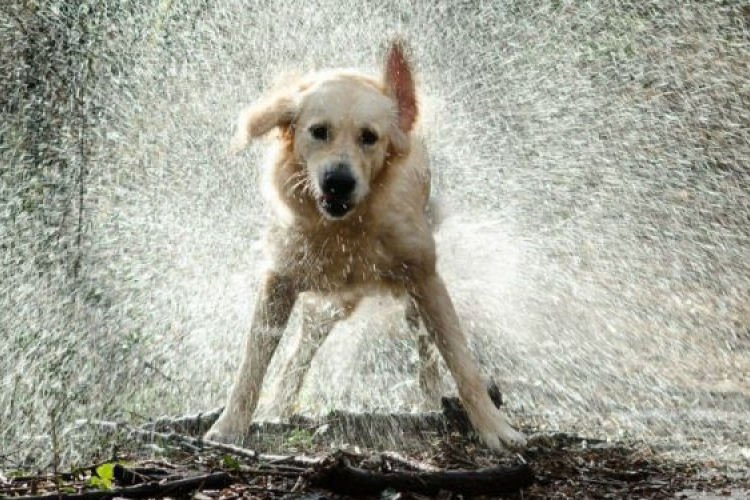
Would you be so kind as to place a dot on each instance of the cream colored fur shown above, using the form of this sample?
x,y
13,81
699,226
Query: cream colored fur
x,y
384,244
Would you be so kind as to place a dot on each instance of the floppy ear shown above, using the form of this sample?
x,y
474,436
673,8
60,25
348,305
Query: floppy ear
x,y
260,118
399,85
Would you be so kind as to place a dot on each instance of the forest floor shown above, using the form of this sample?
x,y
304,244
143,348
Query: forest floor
x,y
163,461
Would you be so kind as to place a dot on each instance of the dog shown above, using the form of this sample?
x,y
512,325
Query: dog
x,y
350,183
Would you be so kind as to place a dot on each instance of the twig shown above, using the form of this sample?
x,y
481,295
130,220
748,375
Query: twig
x,y
408,463
274,473
623,475
162,489
263,489
287,468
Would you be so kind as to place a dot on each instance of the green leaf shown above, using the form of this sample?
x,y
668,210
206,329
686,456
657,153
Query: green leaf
x,y
103,476
300,437
230,462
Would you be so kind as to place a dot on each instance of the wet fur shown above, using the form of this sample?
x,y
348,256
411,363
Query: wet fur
x,y
384,245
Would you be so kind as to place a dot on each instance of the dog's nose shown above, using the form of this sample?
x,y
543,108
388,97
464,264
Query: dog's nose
x,y
338,181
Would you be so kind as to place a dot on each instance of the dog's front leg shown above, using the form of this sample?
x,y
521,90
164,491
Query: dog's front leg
x,y
273,306
429,370
440,319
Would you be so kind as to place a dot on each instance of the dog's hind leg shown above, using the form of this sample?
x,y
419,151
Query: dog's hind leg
x,y
273,306
318,318
429,359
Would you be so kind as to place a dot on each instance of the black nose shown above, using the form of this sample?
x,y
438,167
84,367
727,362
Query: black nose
x,y
338,182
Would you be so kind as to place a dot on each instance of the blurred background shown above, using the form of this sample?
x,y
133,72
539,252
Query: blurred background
x,y
592,159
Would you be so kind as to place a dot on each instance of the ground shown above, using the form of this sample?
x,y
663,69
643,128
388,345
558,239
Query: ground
x,y
564,466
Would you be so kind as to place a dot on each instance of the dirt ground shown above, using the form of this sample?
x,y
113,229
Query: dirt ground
x,y
564,466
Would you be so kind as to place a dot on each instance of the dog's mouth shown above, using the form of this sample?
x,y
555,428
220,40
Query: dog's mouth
x,y
335,208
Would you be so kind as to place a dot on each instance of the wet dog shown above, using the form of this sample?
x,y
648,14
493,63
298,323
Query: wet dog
x,y
351,184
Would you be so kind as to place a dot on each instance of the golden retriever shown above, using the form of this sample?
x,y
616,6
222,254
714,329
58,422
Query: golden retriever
x,y
351,185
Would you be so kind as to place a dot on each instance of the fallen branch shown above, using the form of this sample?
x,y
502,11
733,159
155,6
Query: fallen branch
x,y
340,477
190,443
153,489
196,424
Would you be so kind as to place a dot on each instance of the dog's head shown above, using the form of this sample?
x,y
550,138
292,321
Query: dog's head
x,y
343,127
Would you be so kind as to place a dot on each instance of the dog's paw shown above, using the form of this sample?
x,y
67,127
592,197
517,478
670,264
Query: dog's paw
x,y
514,439
223,432
223,437
498,434
504,439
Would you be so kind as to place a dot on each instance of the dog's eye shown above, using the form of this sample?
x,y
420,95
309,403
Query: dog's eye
x,y
320,132
368,137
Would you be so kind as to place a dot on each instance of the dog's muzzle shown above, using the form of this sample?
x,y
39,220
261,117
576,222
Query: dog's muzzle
x,y
337,186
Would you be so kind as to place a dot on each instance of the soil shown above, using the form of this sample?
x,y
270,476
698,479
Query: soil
x,y
564,466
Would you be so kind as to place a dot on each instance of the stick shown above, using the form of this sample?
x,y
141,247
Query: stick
x,y
340,477
408,463
169,488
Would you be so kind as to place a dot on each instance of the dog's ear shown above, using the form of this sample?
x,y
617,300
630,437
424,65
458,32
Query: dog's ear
x,y
399,84
276,111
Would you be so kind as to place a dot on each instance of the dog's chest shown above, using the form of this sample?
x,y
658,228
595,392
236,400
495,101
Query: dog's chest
x,y
337,261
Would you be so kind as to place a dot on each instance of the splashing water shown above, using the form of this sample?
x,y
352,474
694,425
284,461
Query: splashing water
x,y
593,157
